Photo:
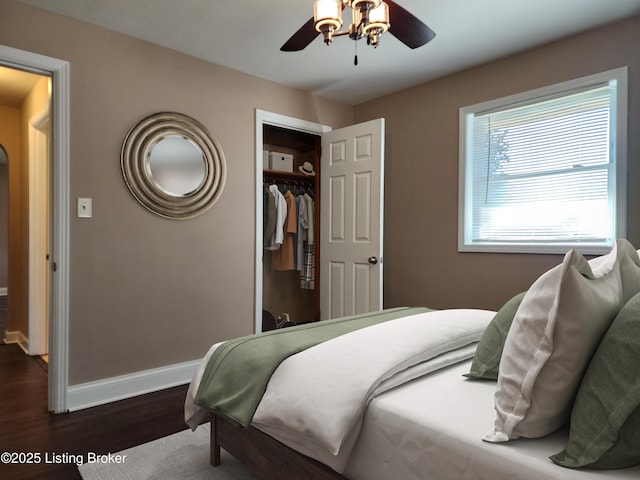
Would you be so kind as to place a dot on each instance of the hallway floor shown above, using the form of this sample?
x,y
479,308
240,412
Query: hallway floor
x,y
27,427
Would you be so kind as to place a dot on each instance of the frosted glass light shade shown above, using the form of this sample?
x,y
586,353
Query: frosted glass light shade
x,y
327,13
379,18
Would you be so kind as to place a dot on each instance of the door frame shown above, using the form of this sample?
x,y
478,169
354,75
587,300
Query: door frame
x,y
277,120
38,234
58,70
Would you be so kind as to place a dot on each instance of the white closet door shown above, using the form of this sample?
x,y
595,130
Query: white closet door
x,y
352,219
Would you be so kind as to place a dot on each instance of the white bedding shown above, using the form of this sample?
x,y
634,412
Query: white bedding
x,y
431,429
322,418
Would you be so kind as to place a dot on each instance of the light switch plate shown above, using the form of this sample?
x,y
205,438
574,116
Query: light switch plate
x,y
84,207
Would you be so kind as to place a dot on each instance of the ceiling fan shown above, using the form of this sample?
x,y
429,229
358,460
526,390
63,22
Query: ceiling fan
x,y
370,19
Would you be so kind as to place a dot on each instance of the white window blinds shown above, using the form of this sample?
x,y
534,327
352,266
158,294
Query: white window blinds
x,y
543,171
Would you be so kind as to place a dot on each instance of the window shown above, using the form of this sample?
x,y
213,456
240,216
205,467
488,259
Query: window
x,y
545,171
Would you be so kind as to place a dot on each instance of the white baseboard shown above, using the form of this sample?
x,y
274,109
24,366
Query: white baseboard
x,y
4,291
112,389
17,337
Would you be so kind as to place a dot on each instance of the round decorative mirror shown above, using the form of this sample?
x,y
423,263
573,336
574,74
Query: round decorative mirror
x,y
172,166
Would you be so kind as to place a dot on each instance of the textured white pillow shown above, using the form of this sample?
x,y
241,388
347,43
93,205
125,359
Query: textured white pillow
x,y
629,269
554,333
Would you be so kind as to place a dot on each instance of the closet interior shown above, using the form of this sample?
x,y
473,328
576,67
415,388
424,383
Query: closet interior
x,y
290,283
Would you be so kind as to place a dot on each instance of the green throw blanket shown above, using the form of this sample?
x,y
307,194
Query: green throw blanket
x,y
238,371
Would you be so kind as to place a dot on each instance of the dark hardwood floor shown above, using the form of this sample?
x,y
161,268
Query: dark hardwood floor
x,y
27,427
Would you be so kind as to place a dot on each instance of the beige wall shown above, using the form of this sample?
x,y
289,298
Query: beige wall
x,y
11,139
422,265
145,291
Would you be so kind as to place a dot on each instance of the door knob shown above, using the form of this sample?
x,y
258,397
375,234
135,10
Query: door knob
x,y
372,260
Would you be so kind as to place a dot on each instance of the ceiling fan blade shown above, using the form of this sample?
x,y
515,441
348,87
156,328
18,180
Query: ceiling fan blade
x,y
303,37
407,28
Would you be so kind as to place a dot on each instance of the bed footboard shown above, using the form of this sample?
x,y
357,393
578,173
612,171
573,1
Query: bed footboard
x,y
266,457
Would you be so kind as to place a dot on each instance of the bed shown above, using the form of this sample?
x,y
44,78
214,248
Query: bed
x,y
457,411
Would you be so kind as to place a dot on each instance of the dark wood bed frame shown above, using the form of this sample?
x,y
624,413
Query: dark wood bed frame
x,y
265,456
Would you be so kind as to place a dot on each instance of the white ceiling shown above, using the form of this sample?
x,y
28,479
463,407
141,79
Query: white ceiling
x,y
246,35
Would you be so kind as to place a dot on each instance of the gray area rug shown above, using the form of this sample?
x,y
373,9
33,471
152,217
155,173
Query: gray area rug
x,y
183,456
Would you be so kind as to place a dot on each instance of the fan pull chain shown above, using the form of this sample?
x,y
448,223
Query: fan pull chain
x,y
355,57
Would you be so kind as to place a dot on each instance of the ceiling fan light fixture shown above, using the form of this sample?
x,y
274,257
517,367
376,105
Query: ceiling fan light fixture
x,y
327,15
379,17
378,23
370,19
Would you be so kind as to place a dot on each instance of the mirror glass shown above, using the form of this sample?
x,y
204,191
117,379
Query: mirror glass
x,y
176,165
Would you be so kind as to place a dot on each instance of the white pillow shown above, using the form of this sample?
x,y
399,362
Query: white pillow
x,y
554,333
629,269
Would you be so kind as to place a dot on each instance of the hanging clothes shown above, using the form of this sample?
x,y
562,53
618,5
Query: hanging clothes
x,y
308,271
268,216
310,213
281,215
301,234
283,258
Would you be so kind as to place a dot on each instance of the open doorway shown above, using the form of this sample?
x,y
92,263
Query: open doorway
x,y
55,122
269,119
24,222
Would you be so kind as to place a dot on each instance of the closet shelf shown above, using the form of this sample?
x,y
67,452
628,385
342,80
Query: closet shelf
x,y
278,175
